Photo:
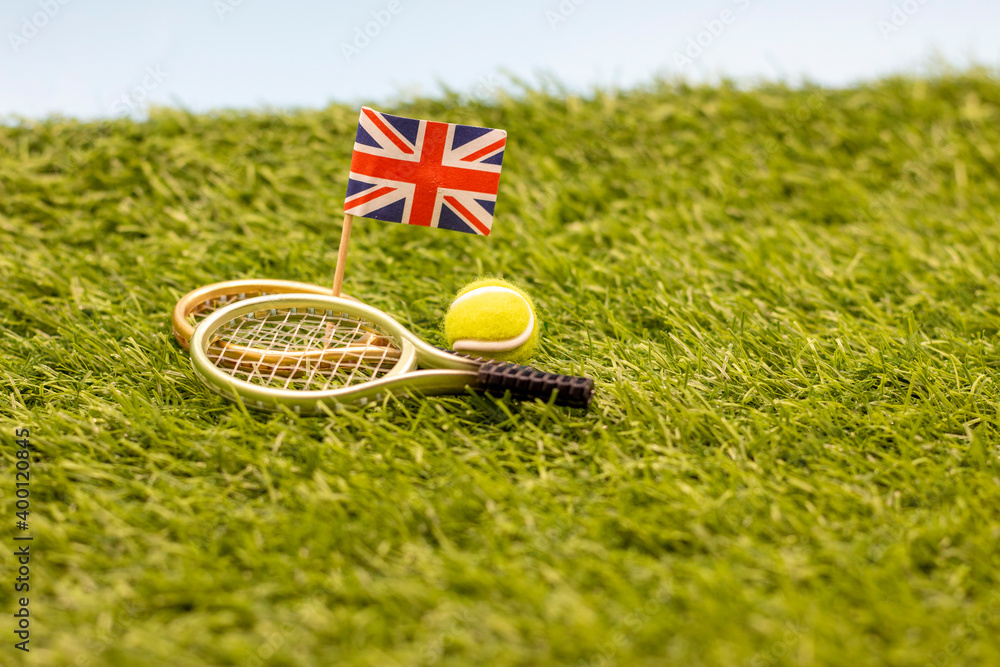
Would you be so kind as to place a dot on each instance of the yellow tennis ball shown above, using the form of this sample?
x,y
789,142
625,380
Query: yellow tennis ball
x,y
494,319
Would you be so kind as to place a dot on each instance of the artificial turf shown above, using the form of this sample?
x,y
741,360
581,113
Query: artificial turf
x,y
789,299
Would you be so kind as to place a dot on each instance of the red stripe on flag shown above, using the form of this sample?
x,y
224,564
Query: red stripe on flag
x,y
458,178
368,197
400,144
428,176
455,204
485,151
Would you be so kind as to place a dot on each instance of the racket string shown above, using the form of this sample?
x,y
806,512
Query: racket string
x,y
202,310
312,367
350,378
274,345
302,350
229,341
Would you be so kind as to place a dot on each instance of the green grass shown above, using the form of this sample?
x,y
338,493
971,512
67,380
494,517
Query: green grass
x,y
789,300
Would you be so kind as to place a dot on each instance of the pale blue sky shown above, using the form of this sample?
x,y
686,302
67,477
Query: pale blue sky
x,y
90,58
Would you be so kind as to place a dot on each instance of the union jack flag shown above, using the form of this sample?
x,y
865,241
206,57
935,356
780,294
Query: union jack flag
x,y
421,172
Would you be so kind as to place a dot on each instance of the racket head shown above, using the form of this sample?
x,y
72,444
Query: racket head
x,y
297,357
198,304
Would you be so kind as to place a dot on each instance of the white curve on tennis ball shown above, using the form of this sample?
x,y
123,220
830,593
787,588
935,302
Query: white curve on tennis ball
x,y
472,345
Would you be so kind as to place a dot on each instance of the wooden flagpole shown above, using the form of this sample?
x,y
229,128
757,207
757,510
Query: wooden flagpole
x,y
345,241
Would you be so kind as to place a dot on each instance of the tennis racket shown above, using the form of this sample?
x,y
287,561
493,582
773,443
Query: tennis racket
x,y
198,304
306,351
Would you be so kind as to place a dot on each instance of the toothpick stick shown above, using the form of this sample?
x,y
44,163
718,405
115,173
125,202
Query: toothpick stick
x,y
345,241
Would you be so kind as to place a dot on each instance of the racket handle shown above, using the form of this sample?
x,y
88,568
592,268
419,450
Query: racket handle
x,y
525,382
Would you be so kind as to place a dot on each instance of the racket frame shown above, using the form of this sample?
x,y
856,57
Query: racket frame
x,y
183,328
448,373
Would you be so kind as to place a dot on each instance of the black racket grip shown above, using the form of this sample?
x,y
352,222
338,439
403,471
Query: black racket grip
x,y
525,382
